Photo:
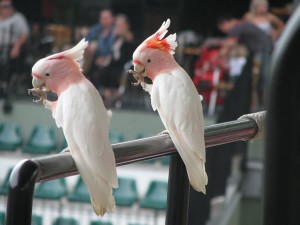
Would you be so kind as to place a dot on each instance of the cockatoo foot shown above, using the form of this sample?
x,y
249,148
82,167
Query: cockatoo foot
x,y
139,77
42,94
164,132
65,150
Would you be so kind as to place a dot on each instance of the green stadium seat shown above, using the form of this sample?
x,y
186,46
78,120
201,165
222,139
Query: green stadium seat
x,y
156,196
63,146
100,223
149,161
53,189
2,218
10,136
4,185
116,137
165,160
36,220
136,224
80,193
42,140
126,194
65,221
143,135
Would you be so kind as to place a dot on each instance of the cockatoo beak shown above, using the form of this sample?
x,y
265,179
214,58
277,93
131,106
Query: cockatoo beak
x,y
138,73
139,69
37,83
39,89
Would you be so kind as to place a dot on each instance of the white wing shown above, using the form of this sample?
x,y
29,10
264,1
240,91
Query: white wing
x,y
83,117
178,104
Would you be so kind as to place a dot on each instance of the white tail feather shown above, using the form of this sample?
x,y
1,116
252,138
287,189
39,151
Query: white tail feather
x,y
193,160
100,190
99,209
197,175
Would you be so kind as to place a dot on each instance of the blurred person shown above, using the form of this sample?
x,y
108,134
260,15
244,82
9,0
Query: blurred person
x,y
206,67
260,16
188,49
14,33
122,50
254,39
236,62
219,160
101,38
259,46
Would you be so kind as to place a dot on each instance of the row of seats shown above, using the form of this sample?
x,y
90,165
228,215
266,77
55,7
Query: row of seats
x,y
42,139
125,195
38,220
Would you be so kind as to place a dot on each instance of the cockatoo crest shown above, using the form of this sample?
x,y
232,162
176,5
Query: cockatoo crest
x,y
75,53
156,40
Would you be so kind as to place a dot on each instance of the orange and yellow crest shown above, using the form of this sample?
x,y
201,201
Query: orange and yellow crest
x,y
156,43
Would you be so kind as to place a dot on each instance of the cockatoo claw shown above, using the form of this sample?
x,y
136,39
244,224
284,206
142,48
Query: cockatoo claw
x,y
164,132
67,149
38,93
39,101
138,76
136,83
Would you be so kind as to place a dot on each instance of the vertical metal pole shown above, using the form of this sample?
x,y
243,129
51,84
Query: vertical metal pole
x,y
281,203
20,193
178,193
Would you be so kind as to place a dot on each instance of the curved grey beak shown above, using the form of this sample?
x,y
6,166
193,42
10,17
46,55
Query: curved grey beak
x,y
37,83
139,69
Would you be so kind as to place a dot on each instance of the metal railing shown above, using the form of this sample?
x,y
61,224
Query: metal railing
x,y
27,172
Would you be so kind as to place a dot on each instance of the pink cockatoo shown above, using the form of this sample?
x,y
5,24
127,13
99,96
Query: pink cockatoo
x,y
176,99
80,111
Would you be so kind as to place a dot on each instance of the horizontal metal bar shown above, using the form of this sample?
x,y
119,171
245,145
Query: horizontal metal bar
x,y
62,165
27,172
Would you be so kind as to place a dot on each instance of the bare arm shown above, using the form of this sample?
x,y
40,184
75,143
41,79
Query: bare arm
x,y
277,24
227,44
16,48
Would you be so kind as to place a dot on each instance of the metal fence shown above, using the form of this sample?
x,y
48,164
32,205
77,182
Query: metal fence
x,y
27,172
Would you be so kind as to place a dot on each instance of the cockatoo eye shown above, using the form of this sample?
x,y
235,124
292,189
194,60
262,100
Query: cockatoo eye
x,y
148,60
47,74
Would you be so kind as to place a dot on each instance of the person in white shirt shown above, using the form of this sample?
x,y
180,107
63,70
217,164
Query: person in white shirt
x,y
14,32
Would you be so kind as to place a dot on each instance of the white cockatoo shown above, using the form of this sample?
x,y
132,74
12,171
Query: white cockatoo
x,y
176,99
80,112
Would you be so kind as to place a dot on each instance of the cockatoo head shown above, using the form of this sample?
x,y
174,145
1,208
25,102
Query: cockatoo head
x,y
155,54
56,72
